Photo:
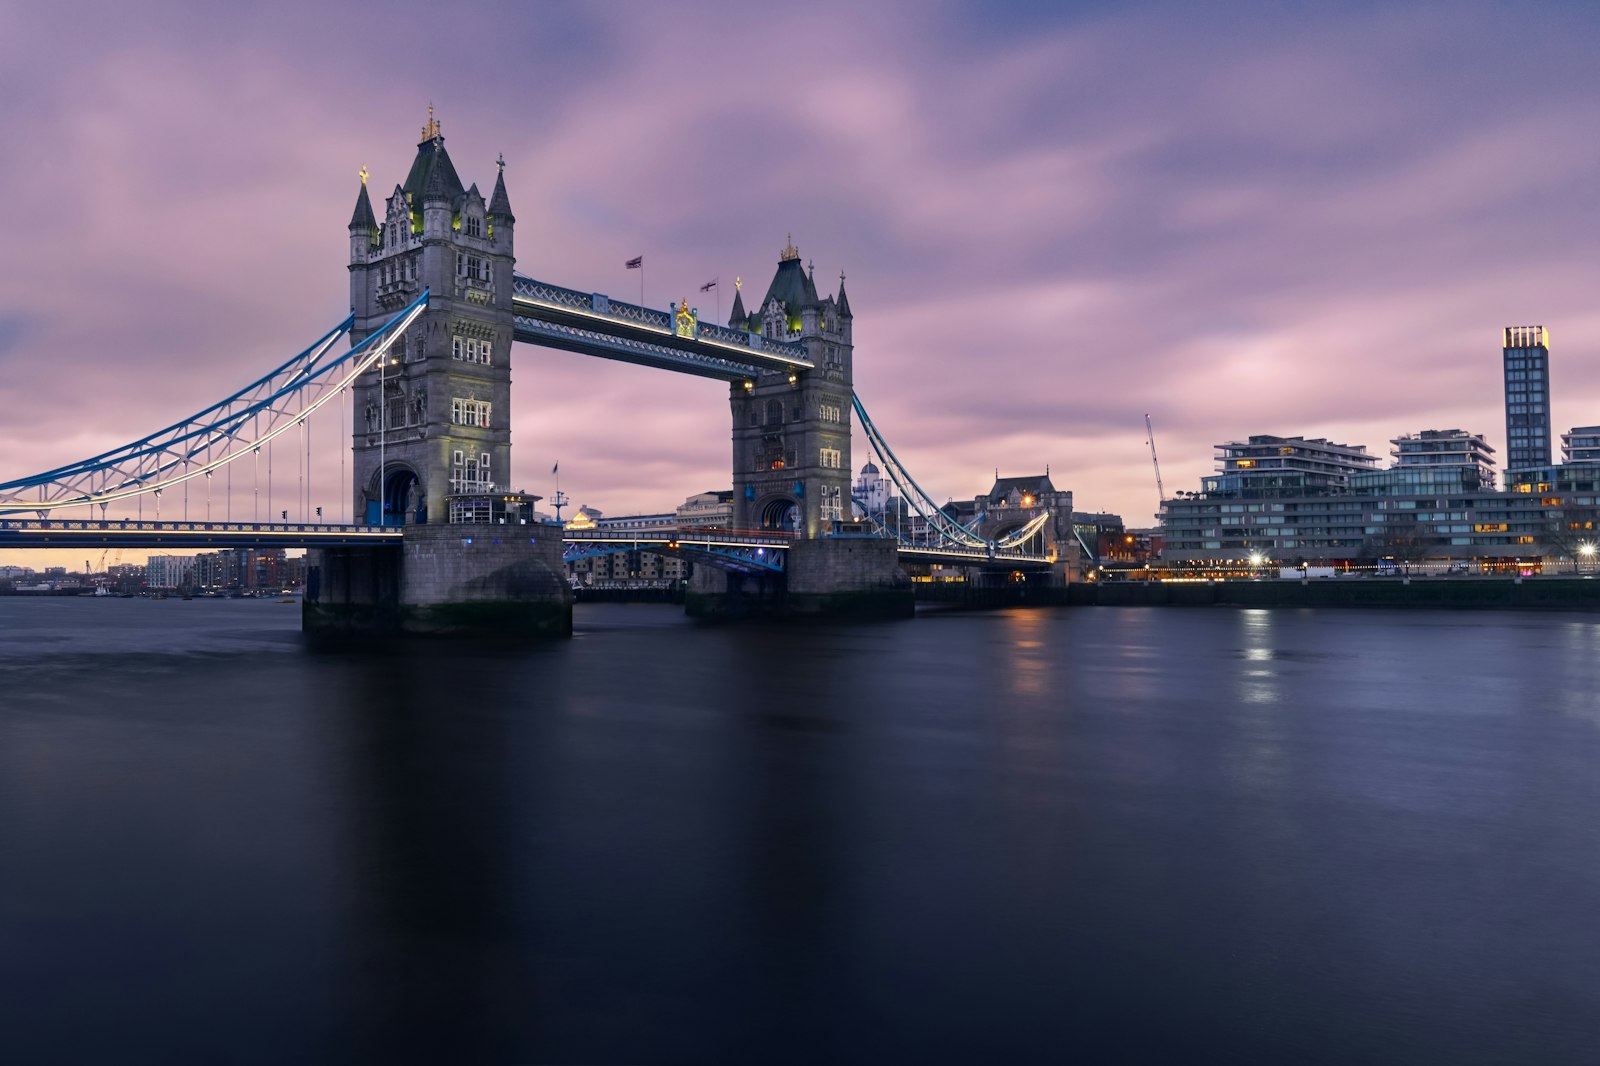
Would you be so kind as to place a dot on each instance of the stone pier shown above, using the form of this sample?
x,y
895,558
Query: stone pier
x,y
838,577
490,581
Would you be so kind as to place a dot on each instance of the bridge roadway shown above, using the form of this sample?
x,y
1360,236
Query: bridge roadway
x,y
594,324
756,551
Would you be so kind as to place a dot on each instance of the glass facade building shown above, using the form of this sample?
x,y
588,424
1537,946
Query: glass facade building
x,y
1527,377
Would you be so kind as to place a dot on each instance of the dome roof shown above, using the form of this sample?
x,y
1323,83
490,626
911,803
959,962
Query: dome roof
x,y
869,468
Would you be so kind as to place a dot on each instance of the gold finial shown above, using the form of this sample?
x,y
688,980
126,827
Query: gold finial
x,y
738,283
363,173
789,251
431,130
501,162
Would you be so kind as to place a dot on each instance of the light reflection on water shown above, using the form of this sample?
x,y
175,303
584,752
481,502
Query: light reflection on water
x,y
1292,836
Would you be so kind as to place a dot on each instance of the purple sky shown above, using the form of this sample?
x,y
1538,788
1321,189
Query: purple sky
x,y
1054,219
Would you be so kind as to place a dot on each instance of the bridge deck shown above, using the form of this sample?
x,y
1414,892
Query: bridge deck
x,y
594,324
134,533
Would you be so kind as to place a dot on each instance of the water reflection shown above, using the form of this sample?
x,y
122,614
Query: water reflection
x,y
1347,836
430,943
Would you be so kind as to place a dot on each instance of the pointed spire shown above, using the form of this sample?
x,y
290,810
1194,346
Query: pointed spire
x,y
362,217
737,318
844,301
499,202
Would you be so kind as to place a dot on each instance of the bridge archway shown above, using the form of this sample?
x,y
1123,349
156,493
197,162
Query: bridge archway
x,y
404,502
780,513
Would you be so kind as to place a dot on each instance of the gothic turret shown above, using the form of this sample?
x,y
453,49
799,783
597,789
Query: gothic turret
x,y
364,232
843,301
362,219
499,202
737,318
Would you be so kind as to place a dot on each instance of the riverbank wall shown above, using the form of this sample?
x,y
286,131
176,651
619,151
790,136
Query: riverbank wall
x,y
1534,593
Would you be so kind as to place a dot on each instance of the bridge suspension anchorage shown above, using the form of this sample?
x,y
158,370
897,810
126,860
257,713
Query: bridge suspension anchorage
x,y
949,532
226,431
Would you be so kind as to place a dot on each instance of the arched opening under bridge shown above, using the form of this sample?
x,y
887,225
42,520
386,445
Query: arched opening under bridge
x,y
781,514
403,502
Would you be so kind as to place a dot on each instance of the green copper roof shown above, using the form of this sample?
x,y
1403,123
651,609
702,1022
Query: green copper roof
x,y
432,175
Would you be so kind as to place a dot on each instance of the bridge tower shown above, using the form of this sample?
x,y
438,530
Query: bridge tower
x,y
791,431
431,436
434,422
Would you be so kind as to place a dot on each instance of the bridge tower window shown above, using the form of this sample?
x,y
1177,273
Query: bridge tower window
x,y
464,412
774,412
474,226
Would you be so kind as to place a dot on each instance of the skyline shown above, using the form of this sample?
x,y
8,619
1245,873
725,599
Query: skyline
x,y
1311,226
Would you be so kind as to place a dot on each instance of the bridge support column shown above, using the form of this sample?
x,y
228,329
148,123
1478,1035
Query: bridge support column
x,y
350,592
847,577
489,581
485,580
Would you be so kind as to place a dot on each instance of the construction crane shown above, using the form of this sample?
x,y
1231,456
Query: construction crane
x,y
1150,432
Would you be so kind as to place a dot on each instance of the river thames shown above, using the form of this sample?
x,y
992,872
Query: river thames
x,y
1072,835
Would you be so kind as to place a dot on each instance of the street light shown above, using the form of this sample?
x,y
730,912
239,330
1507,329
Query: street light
x,y
1586,552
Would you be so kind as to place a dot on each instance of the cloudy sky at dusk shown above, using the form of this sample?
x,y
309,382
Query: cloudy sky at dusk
x,y
1296,219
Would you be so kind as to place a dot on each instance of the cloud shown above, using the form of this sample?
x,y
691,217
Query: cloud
x,y
1053,220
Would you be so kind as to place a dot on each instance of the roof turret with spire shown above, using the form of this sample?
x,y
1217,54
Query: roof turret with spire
x,y
499,202
362,217
844,301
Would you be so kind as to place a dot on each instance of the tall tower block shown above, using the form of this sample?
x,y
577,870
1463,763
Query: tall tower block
x,y
1527,376
433,422
791,432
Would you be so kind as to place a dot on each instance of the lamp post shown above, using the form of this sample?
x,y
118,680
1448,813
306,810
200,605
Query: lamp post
x,y
1586,552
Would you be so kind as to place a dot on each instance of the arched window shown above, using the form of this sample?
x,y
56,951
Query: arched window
x,y
774,412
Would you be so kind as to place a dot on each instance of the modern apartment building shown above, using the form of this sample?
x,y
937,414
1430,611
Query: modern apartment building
x,y
1437,502
1267,467
1527,378
1581,444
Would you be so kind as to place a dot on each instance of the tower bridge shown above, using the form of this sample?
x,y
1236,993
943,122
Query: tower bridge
x,y
436,307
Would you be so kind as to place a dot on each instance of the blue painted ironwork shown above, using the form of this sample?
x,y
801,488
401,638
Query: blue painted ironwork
x,y
945,527
216,436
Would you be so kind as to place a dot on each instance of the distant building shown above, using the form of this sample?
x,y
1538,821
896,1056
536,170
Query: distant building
x,y
1268,467
169,571
871,491
1581,444
1432,461
707,510
1527,378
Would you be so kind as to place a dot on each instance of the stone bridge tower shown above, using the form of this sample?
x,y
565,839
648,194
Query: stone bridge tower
x,y
437,416
791,432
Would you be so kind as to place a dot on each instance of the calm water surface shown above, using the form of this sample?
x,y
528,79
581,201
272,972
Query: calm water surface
x,y
1092,835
